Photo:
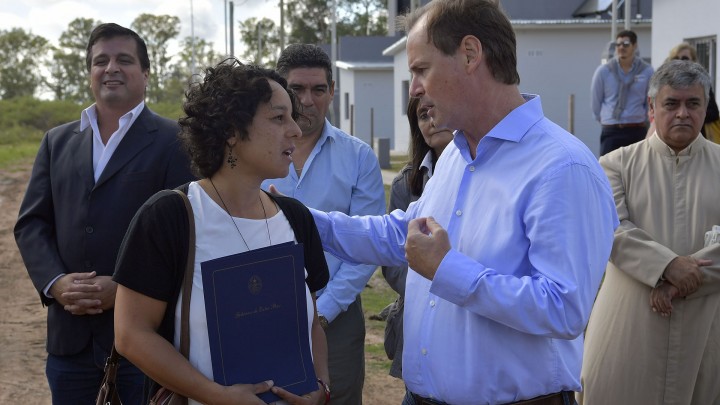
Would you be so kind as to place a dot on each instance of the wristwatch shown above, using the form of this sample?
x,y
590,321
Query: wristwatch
x,y
323,321
326,388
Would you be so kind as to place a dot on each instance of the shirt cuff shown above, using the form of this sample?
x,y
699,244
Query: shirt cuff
x,y
49,285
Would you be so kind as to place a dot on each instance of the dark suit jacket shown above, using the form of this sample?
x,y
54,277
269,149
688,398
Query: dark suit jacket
x,y
68,223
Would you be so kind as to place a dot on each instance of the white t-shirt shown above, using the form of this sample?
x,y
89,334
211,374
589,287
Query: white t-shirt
x,y
216,236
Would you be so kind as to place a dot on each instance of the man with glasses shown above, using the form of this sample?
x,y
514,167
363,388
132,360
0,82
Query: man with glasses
x,y
618,95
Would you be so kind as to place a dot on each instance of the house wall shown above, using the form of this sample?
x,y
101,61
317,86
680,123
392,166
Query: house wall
x,y
368,89
401,128
682,20
557,62
346,95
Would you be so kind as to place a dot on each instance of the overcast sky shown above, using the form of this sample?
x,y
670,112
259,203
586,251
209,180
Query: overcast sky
x,y
49,18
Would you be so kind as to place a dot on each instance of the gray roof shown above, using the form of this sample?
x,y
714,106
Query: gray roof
x,y
365,49
569,9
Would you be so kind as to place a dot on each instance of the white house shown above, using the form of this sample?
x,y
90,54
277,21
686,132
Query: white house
x,y
365,91
557,56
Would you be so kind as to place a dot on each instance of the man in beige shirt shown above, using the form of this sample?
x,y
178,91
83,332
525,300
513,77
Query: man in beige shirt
x,y
667,196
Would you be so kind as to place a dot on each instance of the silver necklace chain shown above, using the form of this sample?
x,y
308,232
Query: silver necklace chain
x,y
233,219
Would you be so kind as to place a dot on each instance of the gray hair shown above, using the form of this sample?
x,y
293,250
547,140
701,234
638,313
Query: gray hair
x,y
679,74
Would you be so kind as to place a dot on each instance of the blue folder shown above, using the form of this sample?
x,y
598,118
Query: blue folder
x,y
257,319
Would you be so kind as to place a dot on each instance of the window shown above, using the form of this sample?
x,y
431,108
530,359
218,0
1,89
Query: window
x,y
707,53
405,90
347,106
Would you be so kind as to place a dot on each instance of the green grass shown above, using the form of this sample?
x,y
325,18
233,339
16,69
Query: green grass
x,y
16,153
376,296
397,162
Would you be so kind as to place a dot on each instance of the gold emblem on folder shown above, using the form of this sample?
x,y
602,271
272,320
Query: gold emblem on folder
x,y
255,285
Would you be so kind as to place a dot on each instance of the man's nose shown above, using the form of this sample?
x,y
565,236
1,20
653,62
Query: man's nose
x,y
682,111
416,89
112,66
305,98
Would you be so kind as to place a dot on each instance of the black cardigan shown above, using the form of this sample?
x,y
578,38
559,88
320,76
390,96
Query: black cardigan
x,y
153,254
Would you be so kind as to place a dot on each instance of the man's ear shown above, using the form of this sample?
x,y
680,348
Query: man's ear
x,y
651,108
472,52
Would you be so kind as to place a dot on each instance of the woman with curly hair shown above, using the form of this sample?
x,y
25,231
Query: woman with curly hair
x,y
239,129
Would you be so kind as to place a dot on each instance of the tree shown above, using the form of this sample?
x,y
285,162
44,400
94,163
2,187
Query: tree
x,y
21,56
309,21
157,31
362,17
262,41
68,74
183,72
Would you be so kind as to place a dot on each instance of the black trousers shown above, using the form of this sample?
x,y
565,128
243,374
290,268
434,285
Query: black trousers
x,y
613,138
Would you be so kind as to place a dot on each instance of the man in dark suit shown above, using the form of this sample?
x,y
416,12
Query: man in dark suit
x,y
89,178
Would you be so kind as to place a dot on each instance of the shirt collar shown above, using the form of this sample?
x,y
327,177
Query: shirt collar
x,y
514,126
662,148
328,131
428,163
89,115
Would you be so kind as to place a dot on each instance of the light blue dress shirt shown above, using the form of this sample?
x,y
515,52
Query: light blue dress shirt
x,y
530,222
342,174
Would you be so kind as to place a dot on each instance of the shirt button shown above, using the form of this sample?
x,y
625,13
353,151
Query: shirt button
x,y
89,229
458,212
432,303
471,168
424,352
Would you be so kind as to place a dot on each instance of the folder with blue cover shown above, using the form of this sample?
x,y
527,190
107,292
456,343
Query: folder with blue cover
x,y
257,319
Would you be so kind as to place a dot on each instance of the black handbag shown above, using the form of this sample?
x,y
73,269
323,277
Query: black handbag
x,y
108,395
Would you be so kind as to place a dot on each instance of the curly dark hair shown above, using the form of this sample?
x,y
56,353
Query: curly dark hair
x,y
222,105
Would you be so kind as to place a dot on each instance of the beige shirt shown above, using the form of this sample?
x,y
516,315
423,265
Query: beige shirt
x,y
666,201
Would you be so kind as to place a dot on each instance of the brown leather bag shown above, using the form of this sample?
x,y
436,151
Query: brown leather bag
x,y
108,394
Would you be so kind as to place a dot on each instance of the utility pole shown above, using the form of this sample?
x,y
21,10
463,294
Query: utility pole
x,y
282,25
613,25
333,58
258,27
232,30
192,39
628,14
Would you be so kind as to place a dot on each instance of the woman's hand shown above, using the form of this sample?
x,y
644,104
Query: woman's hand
x,y
313,398
242,394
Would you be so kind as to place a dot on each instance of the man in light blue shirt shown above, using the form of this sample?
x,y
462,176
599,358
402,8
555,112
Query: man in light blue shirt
x,y
332,171
619,95
507,244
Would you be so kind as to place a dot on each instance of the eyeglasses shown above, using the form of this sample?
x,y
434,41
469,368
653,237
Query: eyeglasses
x,y
625,44
682,58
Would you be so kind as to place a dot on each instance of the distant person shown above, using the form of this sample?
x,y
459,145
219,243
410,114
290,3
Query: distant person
x,y
89,178
618,95
685,51
507,244
665,187
239,129
426,145
332,171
